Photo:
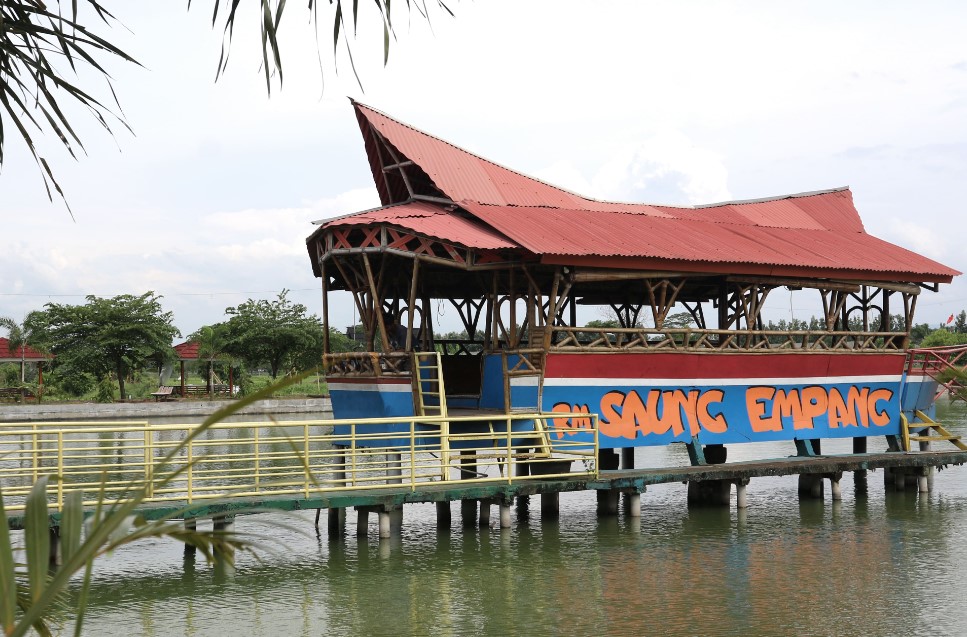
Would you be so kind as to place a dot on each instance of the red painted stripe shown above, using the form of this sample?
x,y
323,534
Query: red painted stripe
x,y
689,365
368,380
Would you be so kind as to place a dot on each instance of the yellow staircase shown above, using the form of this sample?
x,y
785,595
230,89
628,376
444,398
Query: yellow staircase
x,y
430,399
428,389
921,431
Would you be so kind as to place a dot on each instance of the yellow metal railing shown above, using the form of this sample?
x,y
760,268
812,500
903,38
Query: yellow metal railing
x,y
295,458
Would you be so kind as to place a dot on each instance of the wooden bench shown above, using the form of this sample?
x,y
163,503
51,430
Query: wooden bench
x,y
201,390
163,393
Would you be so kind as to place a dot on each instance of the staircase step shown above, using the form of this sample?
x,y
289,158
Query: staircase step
x,y
932,438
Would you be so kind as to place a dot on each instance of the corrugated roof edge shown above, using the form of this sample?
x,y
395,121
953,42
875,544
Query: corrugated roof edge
x,y
478,156
811,193
361,212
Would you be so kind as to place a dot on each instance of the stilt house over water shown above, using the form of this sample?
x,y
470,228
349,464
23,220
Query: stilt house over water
x,y
515,257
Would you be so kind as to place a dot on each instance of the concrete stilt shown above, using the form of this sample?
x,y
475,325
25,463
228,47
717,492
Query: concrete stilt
x,y
190,525
504,516
336,523
607,502
709,493
899,479
550,505
384,525
741,495
225,524
485,513
925,484
835,489
810,486
396,521
468,513
522,470
336,518
634,505
816,489
860,487
362,522
443,520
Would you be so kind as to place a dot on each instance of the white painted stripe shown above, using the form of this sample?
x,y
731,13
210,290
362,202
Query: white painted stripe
x,y
717,382
524,381
384,388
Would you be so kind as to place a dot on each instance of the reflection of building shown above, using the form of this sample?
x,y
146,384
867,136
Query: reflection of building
x,y
516,258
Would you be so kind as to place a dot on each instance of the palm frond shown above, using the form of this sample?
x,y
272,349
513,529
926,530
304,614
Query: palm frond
x,y
36,38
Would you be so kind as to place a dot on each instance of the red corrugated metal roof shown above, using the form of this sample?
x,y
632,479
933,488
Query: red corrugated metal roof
x,y
554,231
29,353
187,351
430,220
813,231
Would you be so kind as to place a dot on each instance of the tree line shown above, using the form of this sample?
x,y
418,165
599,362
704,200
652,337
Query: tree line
x,y
104,343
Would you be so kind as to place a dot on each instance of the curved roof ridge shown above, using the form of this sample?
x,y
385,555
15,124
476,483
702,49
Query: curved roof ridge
x,y
809,193
478,156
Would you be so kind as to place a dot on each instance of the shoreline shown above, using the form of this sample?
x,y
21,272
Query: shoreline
x,y
13,412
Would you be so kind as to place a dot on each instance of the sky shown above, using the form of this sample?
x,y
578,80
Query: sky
x,y
209,200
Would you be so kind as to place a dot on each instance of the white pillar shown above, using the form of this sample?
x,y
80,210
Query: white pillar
x,y
634,505
837,491
384,524
741,496
504,516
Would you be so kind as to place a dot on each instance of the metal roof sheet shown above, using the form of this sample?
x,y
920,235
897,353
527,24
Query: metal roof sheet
x,y
809,230
28,352
430,220
588,233
187,351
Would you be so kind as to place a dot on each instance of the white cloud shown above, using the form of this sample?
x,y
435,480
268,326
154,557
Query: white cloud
x,y
663,168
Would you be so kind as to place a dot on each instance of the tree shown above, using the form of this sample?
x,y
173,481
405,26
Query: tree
x,y
277,333
942,338
212,346
105,336
39,40
960,325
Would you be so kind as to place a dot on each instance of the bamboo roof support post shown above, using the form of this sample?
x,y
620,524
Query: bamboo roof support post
x,y
551,310
376,304
412,304
325,310
512,295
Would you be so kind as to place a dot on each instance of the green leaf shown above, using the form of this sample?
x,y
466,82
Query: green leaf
x,y
8,583
70,524
37,538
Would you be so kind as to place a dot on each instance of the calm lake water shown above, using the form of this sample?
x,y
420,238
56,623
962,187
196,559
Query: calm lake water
x,y
881,564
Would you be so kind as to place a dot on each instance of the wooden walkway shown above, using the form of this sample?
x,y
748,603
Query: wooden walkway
x,y
504,492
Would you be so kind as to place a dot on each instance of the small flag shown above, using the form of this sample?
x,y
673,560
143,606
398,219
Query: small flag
x,y
950,319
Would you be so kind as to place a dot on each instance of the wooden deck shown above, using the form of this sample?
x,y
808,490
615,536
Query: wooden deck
x,y
635,480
